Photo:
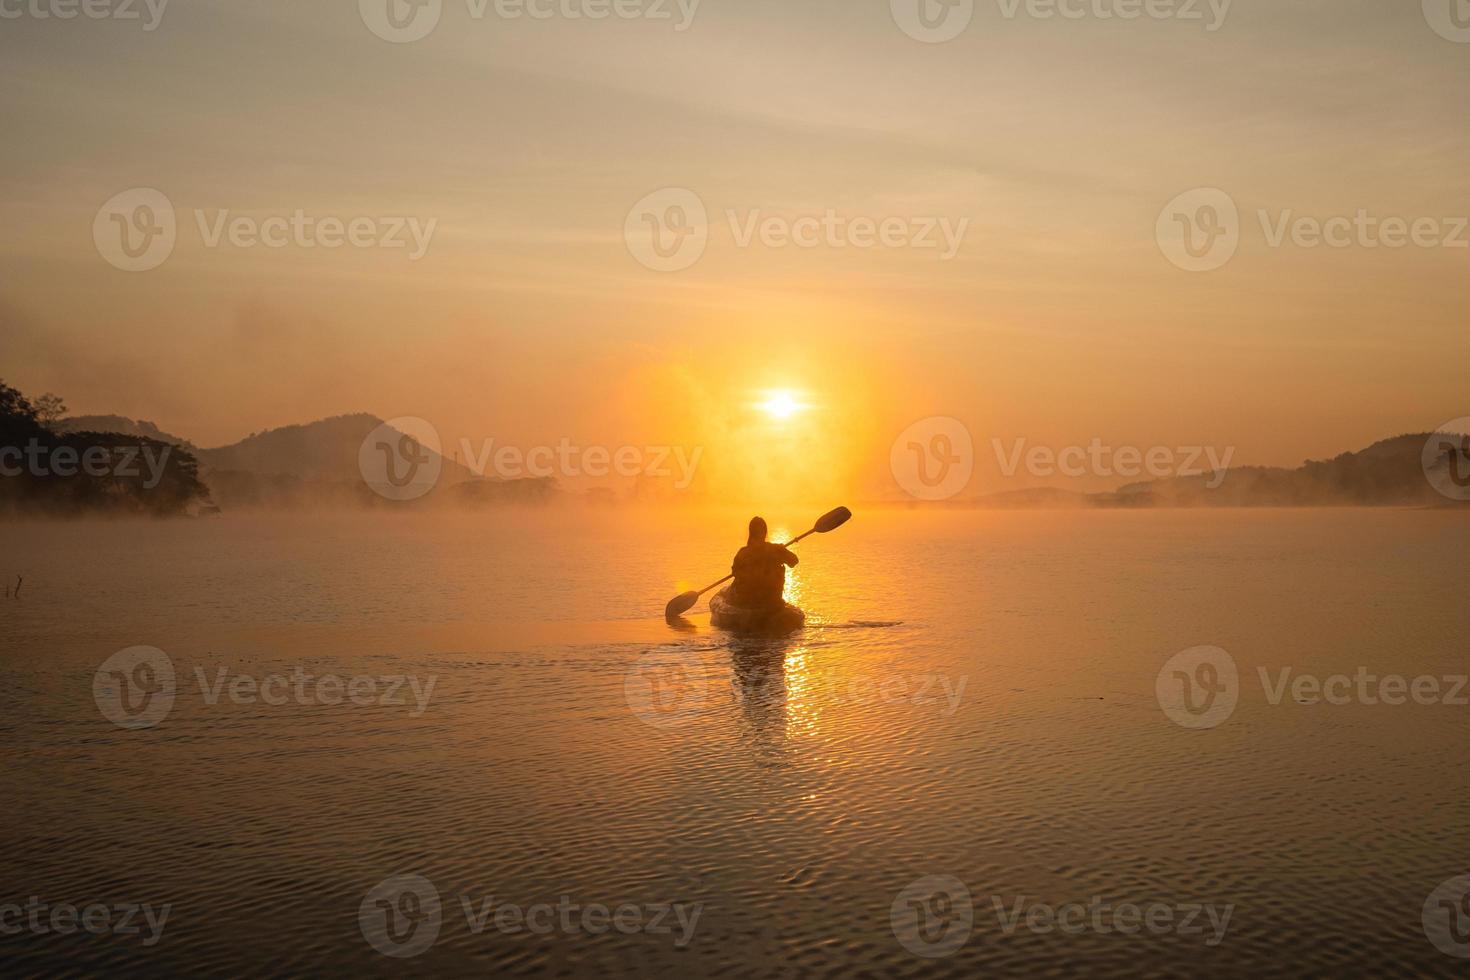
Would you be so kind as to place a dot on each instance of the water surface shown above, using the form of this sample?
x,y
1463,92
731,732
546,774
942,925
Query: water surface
x,y
974,698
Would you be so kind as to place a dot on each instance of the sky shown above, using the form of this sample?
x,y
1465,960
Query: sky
x,y
1055,151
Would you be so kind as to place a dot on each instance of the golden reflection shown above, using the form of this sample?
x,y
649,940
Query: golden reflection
x,y
775,685
801,703
775,680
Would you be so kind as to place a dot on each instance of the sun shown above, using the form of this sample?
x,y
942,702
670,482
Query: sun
x,y
781,405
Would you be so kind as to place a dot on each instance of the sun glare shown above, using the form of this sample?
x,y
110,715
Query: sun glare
x,y
781,405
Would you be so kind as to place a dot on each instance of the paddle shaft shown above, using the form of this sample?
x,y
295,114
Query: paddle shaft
x,y
732,574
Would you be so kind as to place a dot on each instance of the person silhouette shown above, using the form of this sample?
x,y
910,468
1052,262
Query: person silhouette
x,y
760,570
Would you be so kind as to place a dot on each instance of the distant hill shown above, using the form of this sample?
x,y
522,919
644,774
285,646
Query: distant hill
x,y
326,450
88,470
119,424
1387,473
314,465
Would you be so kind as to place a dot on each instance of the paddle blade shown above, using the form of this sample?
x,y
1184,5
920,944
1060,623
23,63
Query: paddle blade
x,y
680,604
834,520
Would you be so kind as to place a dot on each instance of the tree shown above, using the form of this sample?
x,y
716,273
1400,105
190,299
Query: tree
x,y
17,417
49,409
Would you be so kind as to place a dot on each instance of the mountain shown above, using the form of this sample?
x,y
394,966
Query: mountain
x,y
314,465
325,451
1391,472
317,464
119,424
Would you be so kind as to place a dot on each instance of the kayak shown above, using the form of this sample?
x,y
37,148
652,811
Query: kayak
x,y
726,615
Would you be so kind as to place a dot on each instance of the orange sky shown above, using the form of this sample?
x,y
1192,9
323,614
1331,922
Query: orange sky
x,y
527,142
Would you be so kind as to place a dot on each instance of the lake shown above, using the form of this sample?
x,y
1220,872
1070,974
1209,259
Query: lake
x,y
1163,743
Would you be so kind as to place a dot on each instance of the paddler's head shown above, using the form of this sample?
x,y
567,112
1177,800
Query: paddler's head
x,y
757,530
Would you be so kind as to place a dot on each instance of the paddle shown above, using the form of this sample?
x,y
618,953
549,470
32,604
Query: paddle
x,y
830,521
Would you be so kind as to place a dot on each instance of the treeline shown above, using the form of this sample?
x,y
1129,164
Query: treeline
x,y
79,473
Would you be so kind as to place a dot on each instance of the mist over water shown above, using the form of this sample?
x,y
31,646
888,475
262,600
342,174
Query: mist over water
x,y
975,696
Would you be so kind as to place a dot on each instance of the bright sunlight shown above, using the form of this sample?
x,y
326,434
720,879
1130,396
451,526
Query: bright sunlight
x,y
782,405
